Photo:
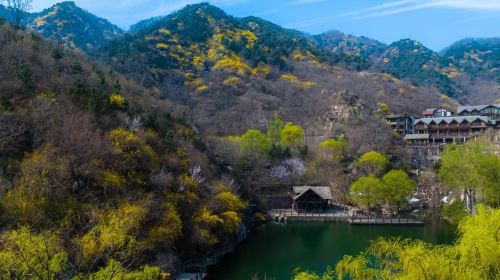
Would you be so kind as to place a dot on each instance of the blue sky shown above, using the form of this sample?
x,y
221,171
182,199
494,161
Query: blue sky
x,y
436,23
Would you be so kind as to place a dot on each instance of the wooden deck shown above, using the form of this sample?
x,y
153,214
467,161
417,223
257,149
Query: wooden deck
x,y
283,215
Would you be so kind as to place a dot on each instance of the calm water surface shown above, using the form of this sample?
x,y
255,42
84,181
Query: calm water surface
x,y
275,250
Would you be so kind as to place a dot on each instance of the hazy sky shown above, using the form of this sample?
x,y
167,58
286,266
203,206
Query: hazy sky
x,y
436,23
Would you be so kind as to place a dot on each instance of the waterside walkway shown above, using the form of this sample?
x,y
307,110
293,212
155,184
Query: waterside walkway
x,y
283,215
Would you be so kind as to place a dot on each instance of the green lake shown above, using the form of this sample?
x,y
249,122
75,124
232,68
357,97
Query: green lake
x,y
275,250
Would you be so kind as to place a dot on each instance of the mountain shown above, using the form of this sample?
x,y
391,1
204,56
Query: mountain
x,y
467,70
470,78
66,23
337,41
97,170
247,69
364,49
478,57
410,59
143,23
404,59
137,160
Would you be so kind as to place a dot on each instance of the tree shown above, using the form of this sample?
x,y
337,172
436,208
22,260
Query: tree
x,y
167,229
306,275
113,236
291,135
137,158
454,211
290,168
254,142
397,186
475,255
114,270
25,255
11,128
335,148
19,9
373,162
40,196
274,128
366,191
473,168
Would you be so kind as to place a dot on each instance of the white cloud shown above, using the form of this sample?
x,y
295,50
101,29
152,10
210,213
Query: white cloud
x,y
397,7
401,6
303,2
381,7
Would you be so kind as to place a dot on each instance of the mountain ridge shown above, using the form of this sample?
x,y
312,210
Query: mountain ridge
x,y
470,79
66,23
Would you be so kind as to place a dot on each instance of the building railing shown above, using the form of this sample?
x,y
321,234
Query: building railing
x,y
352,217
441,126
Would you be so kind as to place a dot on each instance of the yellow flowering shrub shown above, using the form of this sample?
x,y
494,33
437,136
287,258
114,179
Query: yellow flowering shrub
x,y
112,179
167,230
233,64
202,88
114,234
24,254
231,81
250,38
161,46
164,31
117,100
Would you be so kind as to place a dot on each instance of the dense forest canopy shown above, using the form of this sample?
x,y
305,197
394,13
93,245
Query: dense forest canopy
x,y
127,154
97,171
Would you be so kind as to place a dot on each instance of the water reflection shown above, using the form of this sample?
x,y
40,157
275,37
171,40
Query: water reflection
x,y
276,250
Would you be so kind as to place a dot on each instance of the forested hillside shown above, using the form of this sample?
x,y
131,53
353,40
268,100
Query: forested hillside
x,y
465,71
247,69
362,51
126,154
99,177
408,58
67,24
480,59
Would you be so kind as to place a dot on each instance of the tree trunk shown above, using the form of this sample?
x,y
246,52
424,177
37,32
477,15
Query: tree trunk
x,y
470,200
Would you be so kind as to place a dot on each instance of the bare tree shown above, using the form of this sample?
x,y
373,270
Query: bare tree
x,y
10,129
19,9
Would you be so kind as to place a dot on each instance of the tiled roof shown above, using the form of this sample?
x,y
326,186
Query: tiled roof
x,y
417,136
323,192
474,108
458,119
399,115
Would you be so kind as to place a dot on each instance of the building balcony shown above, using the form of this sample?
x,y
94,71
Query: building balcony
x,y
452,126
454,135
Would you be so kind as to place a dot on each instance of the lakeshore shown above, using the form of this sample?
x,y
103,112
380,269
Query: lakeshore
x,y
276,249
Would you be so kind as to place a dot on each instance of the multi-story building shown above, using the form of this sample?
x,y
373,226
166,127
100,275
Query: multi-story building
x,y
402,123
428,135
444,130
492,111
437,113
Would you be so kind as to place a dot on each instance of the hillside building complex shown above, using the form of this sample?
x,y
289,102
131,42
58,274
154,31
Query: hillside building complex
x,y
440,126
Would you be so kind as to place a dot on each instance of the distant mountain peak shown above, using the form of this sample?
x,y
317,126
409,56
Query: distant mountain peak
x,y
67,23
66,4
